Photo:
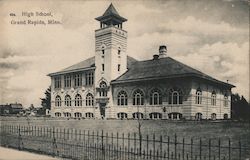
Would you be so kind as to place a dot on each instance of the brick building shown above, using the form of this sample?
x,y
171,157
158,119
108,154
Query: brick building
x,y
112,85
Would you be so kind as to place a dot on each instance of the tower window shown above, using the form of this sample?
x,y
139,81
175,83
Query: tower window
x,y
119,52
119,67
213,98
89,78
102,67
198,97
58,82
103,51
67,81
78,80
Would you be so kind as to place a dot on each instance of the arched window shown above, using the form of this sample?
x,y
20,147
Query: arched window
x,y
89,115
122,98
213,116
78,100
175,96
58,101
58,114
89,99
119,51
175,115
138,97
213,98
78,114
225,100
198,116
103,89
67,114
155,97
138,115
103,49
155,115
122,115
198,97
225,116
67,100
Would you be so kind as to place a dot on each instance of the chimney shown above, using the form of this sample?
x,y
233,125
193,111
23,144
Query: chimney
x,y
162,51
155,56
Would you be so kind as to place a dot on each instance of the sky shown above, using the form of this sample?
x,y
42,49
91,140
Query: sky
x,y
211,36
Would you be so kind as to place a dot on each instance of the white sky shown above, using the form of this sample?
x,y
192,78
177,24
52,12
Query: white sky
x,y
211,36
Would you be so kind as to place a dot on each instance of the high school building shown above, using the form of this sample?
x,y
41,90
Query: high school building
x,y
112,85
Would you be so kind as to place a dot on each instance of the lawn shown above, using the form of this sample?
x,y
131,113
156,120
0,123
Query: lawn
x,y
187,129
203,130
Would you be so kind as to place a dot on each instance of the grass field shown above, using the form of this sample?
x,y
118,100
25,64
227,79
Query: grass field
x,y
187,129
223,130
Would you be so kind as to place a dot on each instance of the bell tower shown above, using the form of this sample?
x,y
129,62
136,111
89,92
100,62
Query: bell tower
x,y
110,46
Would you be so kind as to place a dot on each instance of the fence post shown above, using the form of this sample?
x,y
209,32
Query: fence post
x,y
128,142
191,156
239,150
103,151
160,145
209,149
134,142
19,138
229,149
54,142
219,148
140,143
153,145
175,146
168,146
122,141
117,140
183,148
200,148
147,146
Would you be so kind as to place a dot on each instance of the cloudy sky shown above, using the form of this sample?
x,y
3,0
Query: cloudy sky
x,y
212,36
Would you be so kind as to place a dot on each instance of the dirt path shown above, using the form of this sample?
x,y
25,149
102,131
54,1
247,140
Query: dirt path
x,y
12,154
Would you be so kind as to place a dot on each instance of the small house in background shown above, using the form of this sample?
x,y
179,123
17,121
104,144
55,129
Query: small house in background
x,y
16,108
5,109
11,109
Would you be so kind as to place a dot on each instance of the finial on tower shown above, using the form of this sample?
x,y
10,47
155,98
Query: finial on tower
x,y
111,18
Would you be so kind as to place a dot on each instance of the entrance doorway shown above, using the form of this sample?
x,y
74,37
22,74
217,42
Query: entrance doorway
x,y
102,109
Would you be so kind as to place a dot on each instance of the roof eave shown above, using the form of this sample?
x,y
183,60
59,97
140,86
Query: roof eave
x,y
173,76
69,71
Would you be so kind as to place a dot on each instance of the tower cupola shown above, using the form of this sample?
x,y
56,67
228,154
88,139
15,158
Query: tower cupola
x,y
111,18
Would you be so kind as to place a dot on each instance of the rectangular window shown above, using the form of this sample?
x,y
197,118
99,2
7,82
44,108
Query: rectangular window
x,y
78,80
89,78
119,67
67,81
102,67
58,82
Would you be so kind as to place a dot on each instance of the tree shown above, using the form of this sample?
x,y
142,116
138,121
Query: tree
x,y
240,108
46,102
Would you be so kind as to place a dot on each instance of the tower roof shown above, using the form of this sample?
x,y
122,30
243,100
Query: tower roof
x,y
110,10
111,16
